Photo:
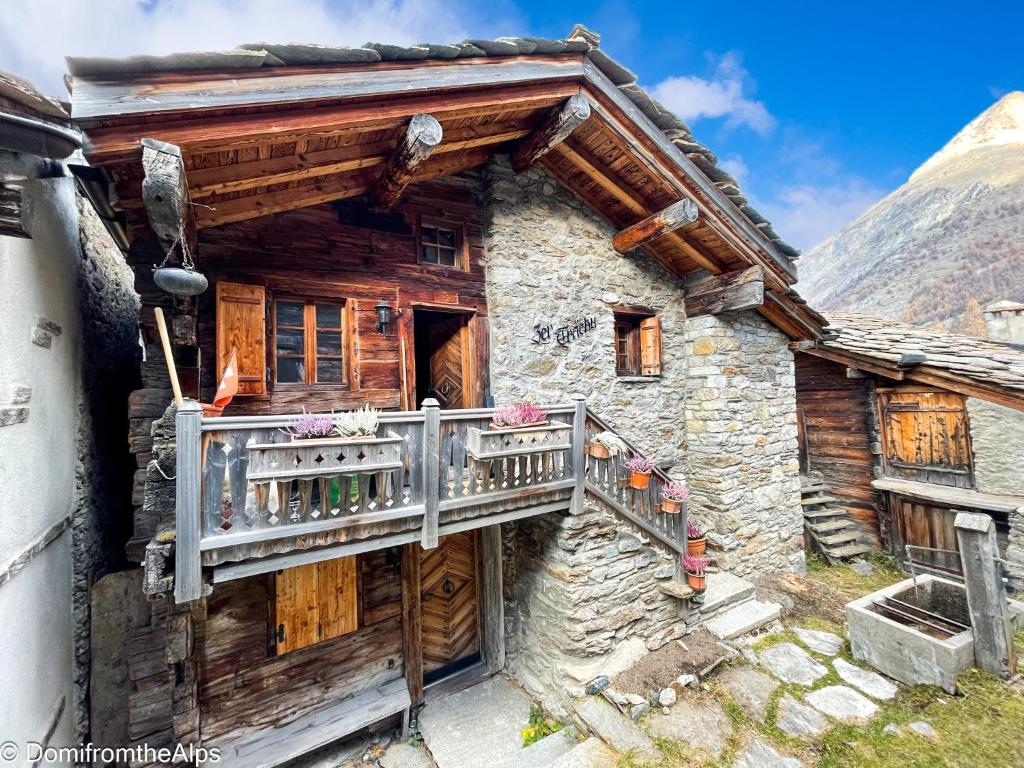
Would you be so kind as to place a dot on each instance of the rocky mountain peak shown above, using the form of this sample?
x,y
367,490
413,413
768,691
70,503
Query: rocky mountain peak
x,y
1002,123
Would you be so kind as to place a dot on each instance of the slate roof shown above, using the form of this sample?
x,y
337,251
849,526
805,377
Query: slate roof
x,y
580,40
990,362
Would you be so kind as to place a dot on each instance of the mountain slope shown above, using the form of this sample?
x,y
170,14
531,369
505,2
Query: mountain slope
x,y
954,232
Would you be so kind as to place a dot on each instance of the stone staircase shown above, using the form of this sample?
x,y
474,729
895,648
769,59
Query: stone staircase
x,y
730,608
828,527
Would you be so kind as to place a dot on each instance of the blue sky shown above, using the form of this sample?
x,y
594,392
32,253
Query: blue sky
x,y
820,109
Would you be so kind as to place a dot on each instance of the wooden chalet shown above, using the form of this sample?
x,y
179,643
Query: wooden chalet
x,y
333,197
906,426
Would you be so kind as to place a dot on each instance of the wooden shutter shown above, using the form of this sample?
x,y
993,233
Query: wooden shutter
x,y
650,346
315,602
241,323
927,437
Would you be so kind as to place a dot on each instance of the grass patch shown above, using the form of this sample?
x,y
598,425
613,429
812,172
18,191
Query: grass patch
x,y
787,636
980,729
538,726
842,578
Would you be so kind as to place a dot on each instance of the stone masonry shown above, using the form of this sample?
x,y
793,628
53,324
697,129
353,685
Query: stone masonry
x,y
741,424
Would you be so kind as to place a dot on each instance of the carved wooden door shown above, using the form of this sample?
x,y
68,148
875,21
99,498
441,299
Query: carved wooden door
x,y
448,362
449,603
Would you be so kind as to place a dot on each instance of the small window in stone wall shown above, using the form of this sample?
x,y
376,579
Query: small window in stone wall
x,y
637,344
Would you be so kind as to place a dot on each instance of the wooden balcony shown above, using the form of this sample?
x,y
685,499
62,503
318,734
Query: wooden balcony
x,y
250,500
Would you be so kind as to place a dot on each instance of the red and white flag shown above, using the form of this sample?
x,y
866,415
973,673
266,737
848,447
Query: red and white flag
x,y
228,386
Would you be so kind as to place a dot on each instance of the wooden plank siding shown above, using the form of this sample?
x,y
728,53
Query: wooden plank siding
x,y
243,687
835,414
347,252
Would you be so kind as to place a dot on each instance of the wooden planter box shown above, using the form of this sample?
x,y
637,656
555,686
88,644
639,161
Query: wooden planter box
x,y
306,459
484,444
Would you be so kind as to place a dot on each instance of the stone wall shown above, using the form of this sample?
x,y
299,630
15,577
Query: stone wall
x,y
997,439
743,454
582,600
549,259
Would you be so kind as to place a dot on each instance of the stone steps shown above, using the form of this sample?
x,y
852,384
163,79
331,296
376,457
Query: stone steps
x,y
592,753
550,749
724,589
614,729
741,619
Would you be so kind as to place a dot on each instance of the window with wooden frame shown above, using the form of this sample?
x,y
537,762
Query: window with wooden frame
x,y
313,603
637,344
442,245
309,341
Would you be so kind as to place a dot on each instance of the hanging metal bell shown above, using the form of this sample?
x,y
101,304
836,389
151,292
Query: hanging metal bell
x,y
179,281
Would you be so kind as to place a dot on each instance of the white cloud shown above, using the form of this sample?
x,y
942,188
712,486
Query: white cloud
x,y
806,214
735,166
725,95
35,35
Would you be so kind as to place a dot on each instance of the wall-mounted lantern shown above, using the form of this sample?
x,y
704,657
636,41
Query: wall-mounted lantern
x,y
383,316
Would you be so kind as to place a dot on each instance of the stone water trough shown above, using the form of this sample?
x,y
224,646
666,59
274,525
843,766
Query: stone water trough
x,y
918,635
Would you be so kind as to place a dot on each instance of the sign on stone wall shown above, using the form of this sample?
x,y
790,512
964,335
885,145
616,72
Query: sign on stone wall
x,y
564,334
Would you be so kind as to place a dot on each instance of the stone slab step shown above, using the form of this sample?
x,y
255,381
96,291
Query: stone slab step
x,y
724,589
831,526
819,514
837,539
743,618
614,729
817,500
848,551
543,753
592,753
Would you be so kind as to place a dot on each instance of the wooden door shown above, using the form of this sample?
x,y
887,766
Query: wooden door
x,y
929,526
448,594
926,436
448,362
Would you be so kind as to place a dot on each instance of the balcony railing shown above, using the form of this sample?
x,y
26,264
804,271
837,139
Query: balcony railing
x,y
246,490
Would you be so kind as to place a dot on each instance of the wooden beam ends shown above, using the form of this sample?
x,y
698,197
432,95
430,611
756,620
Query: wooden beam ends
x,y
676,216
421,138
166,199
556,127
731,292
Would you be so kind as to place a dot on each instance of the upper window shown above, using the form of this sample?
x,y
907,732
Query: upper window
x,y
309,342
441,245
637,344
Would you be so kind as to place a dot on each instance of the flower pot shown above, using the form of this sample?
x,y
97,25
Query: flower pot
x,y
696,546
639,480
697,581
506,442
671,506
599,450
542,423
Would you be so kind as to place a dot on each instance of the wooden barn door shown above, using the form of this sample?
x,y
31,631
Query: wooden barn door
x,y
926,436
448,593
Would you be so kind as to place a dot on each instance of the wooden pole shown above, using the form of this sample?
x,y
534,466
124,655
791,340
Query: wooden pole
x,y
731,292
421,138
188,571
579,459
676,216
412,622
431,471
986,594
165,342
555,129
405,379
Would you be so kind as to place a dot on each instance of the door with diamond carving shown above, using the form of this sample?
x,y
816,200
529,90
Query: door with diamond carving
x,y
442,358
450,614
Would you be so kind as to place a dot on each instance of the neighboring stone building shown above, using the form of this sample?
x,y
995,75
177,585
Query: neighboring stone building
x,y
67,336
908,424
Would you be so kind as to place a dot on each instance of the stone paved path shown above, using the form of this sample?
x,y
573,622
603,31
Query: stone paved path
x,y
871,683
842,703
792,664
758,754
825,643
702,725
750,689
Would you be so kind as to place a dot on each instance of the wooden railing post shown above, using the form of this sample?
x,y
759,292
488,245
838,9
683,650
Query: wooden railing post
x,y
188,570
579,459
431,470
684,515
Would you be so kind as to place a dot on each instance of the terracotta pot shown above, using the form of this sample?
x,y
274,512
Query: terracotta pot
x,y
697,582
670,507
639,480
696,546
599,450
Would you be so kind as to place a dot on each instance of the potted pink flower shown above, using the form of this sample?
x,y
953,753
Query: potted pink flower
x,y
640,469
310,426
696,571
519,416
672,497
520,429
695,541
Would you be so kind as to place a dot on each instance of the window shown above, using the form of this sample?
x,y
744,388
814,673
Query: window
x,y
313,603
309,342
637,344
441,245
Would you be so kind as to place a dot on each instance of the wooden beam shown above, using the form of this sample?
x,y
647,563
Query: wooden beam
x,y
492,601
553,130
939,377
412,622
877,367
731,292
676,216
165,197
421,139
